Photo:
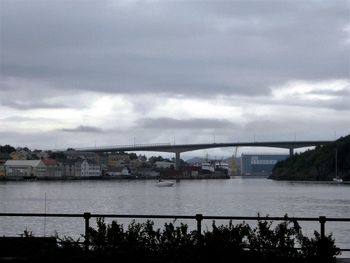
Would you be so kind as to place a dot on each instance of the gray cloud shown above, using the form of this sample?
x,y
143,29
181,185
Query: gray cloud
x,y
304,128
189,47
24,94
186,124
224,53
83,129
25,105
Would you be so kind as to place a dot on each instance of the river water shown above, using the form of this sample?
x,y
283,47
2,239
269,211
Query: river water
x,y
233,197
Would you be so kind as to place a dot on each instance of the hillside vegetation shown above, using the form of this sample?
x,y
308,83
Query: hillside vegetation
x,y
317,164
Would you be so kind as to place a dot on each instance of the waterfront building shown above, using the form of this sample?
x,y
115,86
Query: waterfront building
x,y
81,168
53,169
118,171
71,169
164,164
2,171
20,154
260,164
19,169
90,168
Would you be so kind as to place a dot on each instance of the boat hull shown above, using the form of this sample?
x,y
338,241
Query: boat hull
x,y
337,180
165,184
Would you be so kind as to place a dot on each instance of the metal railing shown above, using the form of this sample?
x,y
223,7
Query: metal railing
x,y
198,217
122,146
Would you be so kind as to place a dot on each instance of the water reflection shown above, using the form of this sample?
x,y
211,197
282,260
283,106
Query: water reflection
x,y
245,197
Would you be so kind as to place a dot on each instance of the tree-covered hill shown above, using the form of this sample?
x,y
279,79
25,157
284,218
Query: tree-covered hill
x,y
317,164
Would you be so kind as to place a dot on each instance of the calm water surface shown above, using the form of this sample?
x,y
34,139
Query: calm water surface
x,y
236,197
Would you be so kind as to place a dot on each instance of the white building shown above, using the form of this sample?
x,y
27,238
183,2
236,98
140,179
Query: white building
x,y
164,165
119,171
90,168
19,169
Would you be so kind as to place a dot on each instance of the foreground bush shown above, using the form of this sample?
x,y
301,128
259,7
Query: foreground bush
x,y
141,242
265,243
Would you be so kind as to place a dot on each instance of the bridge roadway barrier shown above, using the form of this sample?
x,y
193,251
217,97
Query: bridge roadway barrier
x,y
167,147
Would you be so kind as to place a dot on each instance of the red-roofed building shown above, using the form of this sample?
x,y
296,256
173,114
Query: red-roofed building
x,y
50,162
54,169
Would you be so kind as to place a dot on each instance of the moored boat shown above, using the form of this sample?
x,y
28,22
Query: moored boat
x,y
165,183
337,180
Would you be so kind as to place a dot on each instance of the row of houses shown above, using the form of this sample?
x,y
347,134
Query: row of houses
x,y
50,169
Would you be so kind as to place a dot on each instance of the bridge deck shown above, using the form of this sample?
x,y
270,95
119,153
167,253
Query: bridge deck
x,y
164,147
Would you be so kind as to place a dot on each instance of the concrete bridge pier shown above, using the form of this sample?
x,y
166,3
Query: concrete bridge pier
x,y
177,161
177,165
291,152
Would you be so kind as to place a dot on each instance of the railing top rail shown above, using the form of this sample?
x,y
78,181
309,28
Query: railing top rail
x,y
40,215
91,215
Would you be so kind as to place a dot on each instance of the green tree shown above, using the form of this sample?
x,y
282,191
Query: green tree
x,y
132,156
317,164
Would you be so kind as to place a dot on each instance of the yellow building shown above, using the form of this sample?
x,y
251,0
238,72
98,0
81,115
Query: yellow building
x,y
19,155
2,171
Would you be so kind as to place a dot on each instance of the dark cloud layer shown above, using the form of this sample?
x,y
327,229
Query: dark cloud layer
x,y
199,48
25,105
117,72
83,129
187,124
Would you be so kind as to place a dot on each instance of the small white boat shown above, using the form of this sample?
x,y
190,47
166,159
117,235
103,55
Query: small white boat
x,y
165,184
337,180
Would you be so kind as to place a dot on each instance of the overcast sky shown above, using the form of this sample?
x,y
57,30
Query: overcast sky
x,y
85,73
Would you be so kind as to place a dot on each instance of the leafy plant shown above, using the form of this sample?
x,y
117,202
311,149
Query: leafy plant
x,y
177,243
27,233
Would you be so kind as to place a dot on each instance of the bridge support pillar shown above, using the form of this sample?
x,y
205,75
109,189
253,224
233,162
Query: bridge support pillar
x,y
291,152
177,161
177,165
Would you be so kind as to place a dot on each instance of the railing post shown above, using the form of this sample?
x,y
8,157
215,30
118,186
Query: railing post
x,y
199,218
87,217
322,220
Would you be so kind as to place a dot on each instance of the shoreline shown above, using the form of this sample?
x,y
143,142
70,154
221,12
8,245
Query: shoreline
x,y
172,178
118,178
